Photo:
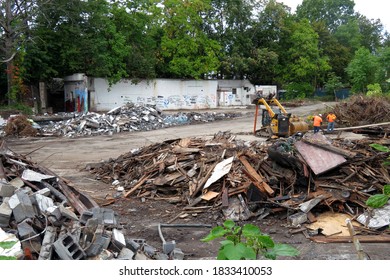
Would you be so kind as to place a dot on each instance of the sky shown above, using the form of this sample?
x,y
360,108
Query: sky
x,y
372,9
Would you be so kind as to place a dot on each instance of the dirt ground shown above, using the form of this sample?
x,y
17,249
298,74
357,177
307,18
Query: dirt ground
x,y
68,158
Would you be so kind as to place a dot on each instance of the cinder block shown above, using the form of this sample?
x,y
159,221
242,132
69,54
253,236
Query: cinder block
x,y
118,236
178,254
103,215
67,249
25,230
43,202
28,236
54,215
126,254
134,244
21,206
67,213
5,213
118,241
99,243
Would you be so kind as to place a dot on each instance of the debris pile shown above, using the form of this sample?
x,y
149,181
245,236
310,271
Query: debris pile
x,y
43,217
129,117
20,126
302,176
363,110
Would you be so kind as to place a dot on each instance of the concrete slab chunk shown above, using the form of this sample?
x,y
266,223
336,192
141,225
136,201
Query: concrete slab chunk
x,y
6,190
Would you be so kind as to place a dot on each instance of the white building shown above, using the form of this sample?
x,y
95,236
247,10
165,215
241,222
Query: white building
x,y
95,94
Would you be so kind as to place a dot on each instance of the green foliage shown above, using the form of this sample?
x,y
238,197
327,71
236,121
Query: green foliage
x,y
143,39
374,90
362,70
185,47
26,110
379,200
333,84
246,243
305,64
384,149
298,90
332,12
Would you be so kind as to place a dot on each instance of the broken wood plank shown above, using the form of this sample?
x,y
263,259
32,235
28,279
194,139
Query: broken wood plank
x,y
256,177
137,185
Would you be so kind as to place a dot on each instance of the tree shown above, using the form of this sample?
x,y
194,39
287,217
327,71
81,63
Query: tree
x,y
371,32
332,12
232,27
140,22
185,47
384,69
338,54
362,70
303,63
15,19
268,33
333,84
77,36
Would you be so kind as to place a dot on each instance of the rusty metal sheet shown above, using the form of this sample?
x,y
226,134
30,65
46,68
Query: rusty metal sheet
x,y
318,159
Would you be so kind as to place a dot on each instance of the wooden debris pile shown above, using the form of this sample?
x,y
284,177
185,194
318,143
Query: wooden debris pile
x,y
249,179
363,110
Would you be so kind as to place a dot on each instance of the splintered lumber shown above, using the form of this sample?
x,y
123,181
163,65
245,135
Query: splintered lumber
x,y
137,185
355,240
256,178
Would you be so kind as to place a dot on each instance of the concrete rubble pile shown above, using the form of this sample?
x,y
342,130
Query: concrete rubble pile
x,y
43,217
298,178
129,117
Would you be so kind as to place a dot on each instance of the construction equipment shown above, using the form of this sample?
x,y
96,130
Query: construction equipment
x,y
281,124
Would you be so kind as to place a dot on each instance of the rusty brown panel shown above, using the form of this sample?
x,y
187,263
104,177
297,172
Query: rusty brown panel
x,y
319,159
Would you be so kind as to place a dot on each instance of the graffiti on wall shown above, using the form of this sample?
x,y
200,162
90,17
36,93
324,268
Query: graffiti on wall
x,y
185,101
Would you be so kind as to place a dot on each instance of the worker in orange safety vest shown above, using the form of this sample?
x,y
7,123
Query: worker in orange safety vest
x,y
317,121
330,118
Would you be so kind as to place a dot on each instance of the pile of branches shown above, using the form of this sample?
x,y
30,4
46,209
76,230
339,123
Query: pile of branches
x,y
363,110
20,126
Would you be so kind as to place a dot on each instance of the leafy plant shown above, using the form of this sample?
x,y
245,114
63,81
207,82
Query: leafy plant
x,y
384,149
247,243
379,200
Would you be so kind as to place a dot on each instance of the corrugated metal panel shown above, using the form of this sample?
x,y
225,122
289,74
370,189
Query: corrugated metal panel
x,y
319,159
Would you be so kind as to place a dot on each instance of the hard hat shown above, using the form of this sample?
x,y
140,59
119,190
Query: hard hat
x,y
320,115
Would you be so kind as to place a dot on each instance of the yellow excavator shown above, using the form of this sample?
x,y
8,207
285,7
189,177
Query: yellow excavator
x,y
281,124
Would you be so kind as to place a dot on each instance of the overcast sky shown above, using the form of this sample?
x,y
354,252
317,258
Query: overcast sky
x,y
372,9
